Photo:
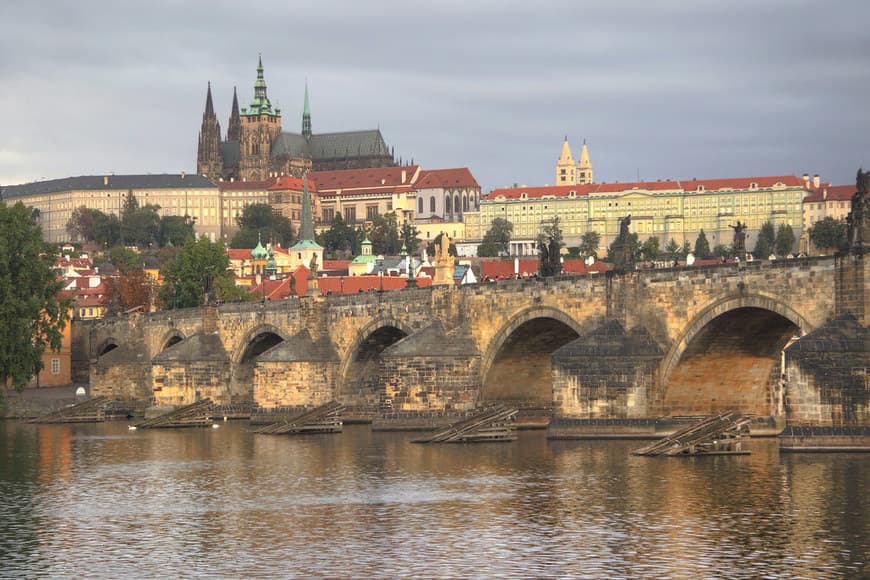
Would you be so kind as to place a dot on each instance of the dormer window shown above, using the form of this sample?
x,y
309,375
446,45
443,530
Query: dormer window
x,y
524,195
572,193
700,189
753,185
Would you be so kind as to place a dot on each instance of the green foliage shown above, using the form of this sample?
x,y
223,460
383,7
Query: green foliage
x,y
262,219
685,250
174,230
80,225
140,225
633,243
496,241
384,235
340,238
649,250
107,229
410,237
185,276
574,252
723,251
124,259
672,248
784,241
31,314
702,246
551,233
589,244
829,234
764,245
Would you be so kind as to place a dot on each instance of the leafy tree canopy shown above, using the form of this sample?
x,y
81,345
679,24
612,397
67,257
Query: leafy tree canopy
x,y
633,243
496,241
174,230
31,313
764,245
784,240
262,219
702,246
340,238
650,248
124,259
828,235
197,264
589,244
384,235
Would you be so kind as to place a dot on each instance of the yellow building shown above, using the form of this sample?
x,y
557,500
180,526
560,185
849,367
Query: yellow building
x,y
567,173
676,210
824,201
360,195
176,194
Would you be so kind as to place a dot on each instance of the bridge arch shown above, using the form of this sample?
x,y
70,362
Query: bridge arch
x,y
735,339
106,345
172,336
358,370
256,341
521,353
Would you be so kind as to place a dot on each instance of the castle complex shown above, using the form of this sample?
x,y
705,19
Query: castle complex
x,y
257,148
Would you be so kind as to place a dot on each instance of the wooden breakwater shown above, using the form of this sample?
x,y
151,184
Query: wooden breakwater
x,y
194,415
323,419
90,411
716,435
489,424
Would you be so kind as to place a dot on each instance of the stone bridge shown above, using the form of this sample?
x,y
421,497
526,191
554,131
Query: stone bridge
x,y
650,343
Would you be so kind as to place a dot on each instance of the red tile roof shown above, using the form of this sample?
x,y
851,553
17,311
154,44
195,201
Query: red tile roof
x,y
377,177
446,178
830,193
336,264
504,269
280,289
578,266
239,255
291,183
687,186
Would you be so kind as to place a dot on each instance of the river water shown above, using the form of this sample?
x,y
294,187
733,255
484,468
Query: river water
x,y
102,501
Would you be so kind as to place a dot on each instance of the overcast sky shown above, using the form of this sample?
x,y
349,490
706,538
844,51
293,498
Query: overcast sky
x,y
660,89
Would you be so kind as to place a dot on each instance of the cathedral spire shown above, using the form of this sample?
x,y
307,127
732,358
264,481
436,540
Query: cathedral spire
x,y
208,157
306,115
234,131
260,105
565,168
209,106
584,166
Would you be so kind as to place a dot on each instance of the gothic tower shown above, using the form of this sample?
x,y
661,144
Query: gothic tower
x,y
208,155
306,116
565,166
234,131
260,126
584,166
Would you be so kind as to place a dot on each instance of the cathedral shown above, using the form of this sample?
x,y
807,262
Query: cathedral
x,y
567,173
256,148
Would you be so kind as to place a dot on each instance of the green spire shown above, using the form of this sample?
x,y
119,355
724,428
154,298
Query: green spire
x,y
306,230
260,105
306,115
259,253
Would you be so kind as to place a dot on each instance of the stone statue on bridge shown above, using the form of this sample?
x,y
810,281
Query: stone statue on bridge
x,y
739,244
859,218
623,257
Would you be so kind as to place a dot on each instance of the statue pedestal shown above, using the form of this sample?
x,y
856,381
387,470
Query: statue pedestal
x,y
443,275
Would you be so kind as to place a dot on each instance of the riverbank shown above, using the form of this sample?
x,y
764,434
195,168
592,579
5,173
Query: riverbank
x,y
33,402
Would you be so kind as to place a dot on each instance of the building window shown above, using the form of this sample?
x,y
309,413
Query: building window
x,y
55,366
432,204
419,205
371,212
350,215
328,215
447,205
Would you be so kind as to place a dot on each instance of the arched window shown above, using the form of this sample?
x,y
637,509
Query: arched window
x,y
419,205
447,207
432,204
464,203
456,207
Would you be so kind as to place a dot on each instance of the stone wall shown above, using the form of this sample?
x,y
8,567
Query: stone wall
x,y
294,384
427,383
122,381
184,383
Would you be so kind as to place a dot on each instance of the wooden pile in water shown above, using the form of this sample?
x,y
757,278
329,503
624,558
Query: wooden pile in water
x,y
231,411
90,411
489,424
323,419
715,435
194,415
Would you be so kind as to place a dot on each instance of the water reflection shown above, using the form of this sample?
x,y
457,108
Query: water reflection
x,y
98,500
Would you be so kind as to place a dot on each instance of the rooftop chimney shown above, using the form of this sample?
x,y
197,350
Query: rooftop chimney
x,y
182,175
806,178
404,176
816,180
105,180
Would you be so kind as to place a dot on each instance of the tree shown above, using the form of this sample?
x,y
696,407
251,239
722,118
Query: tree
x,y
340,237
650,248
764,245
723,251
410,237
702,246
784,241
384,235
133,288
497,240
140,225
589,244
174,230
634,245
80,225
828,234
262,219
124,259
198,263
32,315
107,229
